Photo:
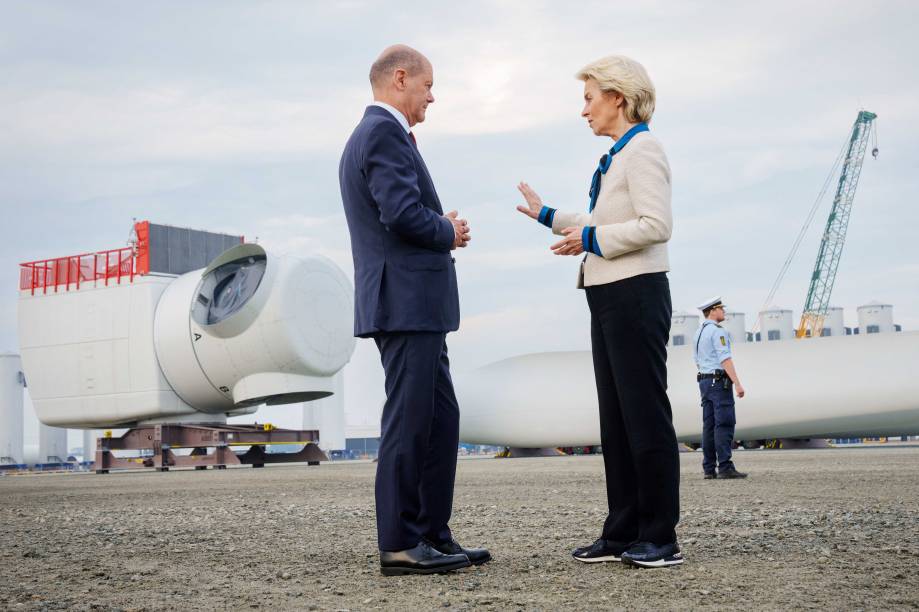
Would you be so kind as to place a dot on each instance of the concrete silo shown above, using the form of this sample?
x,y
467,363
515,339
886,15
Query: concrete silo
x,y
327,415
42,444
834,324
89,443
875,318
52,444
683,326
775,324
735,322
12,382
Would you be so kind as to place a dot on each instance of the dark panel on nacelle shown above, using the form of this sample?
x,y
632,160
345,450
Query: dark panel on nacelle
x,y
177,250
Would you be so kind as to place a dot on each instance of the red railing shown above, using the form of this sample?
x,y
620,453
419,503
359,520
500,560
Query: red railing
x,y
70,272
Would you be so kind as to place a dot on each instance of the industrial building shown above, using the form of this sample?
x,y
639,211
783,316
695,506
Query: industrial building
x,y
24,440
777,323
683,326
12,382
834,324
876,318
327,416
735,323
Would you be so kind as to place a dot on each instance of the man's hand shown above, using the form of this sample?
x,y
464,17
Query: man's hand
x,y
739,390
571,244
461,235
534,202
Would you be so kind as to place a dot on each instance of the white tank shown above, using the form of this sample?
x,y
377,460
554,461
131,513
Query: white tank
x,y
42,443
30,426
683,326
328,416
834,323
735,323
775,324
89,443
875,318
52,444
12,382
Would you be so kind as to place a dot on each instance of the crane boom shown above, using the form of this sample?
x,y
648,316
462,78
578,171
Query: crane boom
x,y
834,236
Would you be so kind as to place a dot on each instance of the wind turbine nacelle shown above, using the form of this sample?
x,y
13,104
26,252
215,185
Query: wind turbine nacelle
x,y
251,328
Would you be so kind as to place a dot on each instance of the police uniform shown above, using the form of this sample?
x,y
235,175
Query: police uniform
x,y
711,346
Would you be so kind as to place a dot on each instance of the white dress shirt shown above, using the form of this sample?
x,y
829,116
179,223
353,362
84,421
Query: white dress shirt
x,y
395,113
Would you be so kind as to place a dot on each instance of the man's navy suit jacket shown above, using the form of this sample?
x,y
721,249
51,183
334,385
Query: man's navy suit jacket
x,y
404,276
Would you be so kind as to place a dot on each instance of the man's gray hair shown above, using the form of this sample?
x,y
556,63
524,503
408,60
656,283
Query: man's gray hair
x,y
393,58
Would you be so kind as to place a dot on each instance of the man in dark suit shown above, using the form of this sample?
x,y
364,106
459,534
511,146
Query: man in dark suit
x,y
406,300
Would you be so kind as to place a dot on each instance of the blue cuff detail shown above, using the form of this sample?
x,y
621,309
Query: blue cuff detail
x,y
589,240
547,216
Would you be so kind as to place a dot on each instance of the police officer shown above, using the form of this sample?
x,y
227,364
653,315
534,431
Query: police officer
x,y
712,354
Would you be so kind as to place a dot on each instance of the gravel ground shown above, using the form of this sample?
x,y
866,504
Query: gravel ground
x,y
810,529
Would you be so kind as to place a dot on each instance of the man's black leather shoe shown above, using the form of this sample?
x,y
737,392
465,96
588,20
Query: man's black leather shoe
x,y
731,473
599,551
477,556
709,476
646,554
423,559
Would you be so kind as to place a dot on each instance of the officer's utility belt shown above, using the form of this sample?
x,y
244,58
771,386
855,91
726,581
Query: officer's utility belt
x,y
717,375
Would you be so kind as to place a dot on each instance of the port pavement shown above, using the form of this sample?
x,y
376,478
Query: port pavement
x,y
826,528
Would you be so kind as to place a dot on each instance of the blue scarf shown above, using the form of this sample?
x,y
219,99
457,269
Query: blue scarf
x,y
607,160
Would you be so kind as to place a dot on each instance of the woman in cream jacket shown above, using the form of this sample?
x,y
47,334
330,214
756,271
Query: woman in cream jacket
x,y
624,235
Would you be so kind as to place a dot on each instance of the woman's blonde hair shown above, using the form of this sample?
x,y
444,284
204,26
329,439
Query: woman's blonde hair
x,y
625,76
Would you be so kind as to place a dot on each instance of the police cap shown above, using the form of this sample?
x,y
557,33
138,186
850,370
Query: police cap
x,y
711,303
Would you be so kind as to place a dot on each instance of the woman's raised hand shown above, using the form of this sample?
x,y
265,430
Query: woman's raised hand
x,y
534,202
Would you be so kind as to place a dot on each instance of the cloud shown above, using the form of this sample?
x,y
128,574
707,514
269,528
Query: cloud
x,y
233,119
171,121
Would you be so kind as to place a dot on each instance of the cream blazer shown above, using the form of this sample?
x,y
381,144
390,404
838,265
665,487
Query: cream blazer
x,y
632,215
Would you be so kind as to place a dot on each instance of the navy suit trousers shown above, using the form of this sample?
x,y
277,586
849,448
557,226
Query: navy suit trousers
x,y
419,435
718,420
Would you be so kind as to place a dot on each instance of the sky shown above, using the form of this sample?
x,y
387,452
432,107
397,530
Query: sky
x,y
231,116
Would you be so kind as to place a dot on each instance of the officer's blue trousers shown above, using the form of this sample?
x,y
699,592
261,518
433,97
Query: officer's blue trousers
x,y
630,325
419,435
718,420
